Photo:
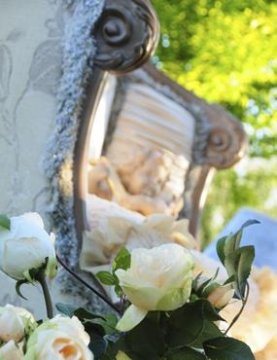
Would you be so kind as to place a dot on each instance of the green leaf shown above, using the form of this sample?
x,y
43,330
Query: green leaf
x,y
201,287
145,341
5,222
247,256
188,325
185,325
220,248
239,264
114,346
230,280
111,320
122,260
106,278
98,344
84,314
250,223
237,261
228,244
209,312
94,322
225,348
186,353
118,291
108,323
210,331
65,309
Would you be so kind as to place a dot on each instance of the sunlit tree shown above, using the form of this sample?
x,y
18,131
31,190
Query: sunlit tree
x,y
226,52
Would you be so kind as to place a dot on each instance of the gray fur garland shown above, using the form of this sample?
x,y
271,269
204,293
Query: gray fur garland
x,y
79,49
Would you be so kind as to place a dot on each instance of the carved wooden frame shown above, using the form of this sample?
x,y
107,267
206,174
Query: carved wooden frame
x,y
225,145
120,52
126,34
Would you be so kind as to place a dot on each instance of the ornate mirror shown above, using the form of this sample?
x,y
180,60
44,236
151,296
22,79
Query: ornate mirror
x,y
145,158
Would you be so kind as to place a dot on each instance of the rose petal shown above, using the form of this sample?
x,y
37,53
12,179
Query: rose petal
x,y
131,318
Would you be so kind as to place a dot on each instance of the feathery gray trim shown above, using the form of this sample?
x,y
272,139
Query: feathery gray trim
x,y
78,52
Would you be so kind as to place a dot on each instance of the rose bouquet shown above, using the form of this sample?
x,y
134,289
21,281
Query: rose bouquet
x,y
167,309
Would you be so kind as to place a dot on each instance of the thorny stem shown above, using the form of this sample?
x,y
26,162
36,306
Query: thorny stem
x,y
96,292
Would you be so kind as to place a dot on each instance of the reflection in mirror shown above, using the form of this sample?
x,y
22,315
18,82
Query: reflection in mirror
x,y
140,151
144,166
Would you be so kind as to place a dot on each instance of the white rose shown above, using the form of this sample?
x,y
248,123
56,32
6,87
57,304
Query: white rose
x,y
60,338
158,279
10,351
26,246
221,295
14,323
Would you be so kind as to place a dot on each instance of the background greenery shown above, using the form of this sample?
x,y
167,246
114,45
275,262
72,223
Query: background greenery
x,y
226,52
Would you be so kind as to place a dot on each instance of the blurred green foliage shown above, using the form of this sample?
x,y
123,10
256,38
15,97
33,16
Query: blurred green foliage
x,y
226,52
232,190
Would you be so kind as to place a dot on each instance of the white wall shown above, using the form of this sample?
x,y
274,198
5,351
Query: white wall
x,y
30,57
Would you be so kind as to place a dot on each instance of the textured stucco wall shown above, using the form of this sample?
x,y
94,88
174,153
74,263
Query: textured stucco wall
x,y
30,65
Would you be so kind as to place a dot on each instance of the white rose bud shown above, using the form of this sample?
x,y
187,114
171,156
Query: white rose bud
x,y
14,323
26,246
10,351
60,338
221,295
159,279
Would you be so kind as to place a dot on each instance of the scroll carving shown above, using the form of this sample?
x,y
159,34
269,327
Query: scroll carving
x,y
227,140
126,34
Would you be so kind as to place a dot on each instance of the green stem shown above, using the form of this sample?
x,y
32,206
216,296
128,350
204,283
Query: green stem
x,y
82,281
244,301
47,296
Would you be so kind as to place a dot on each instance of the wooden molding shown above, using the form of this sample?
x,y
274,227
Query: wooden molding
x,y
127,34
